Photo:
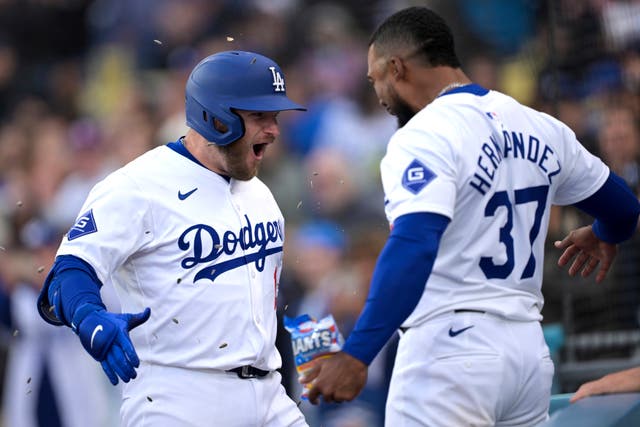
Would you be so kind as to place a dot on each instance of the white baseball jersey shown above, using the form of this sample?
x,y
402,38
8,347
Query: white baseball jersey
x,y
494,167
204,253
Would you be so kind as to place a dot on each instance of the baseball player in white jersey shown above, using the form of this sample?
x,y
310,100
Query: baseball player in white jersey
x,y
469,179
192,242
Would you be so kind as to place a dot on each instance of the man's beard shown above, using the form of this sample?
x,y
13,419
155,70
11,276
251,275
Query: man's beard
x,y
402,111
235,155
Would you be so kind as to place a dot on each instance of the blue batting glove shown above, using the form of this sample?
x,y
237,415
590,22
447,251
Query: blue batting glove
x,y
105,336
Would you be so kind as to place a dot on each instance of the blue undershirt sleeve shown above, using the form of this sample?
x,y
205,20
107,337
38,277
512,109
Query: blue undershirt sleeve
x,y
615,209
398,281
71,290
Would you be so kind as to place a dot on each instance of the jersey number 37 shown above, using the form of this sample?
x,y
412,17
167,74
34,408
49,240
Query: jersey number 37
x,y
537,195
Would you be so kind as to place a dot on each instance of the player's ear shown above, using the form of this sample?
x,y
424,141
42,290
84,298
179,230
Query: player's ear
x,y
396,67
220,126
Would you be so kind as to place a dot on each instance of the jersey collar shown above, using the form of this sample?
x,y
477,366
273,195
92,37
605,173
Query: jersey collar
x,y
179,148
472,88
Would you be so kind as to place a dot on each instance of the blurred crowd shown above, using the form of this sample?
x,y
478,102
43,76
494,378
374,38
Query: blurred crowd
x,y
86,86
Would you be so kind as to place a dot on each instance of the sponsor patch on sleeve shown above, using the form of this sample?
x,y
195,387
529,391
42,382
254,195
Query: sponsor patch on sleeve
x,y
417,176
85,224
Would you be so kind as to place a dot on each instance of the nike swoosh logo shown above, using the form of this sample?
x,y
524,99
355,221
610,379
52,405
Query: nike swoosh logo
x,y
98,329
453,333
187,194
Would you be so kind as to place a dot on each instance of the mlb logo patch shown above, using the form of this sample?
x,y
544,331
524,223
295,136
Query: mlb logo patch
x,y
417,176
84,225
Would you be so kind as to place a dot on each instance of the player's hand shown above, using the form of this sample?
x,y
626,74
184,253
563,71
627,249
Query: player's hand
x,y
338,378
587,389
587,252
627,381
105,336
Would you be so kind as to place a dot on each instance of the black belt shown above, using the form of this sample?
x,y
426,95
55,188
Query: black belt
x,y
247,371
460,310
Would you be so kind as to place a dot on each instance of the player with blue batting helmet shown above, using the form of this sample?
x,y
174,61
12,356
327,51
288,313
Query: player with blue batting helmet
x,y
232,80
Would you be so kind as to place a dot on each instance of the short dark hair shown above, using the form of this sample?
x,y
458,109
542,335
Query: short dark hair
x,y
421,31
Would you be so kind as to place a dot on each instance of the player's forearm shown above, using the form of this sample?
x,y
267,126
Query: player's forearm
x,y
72,289
627,381
615,208
397,284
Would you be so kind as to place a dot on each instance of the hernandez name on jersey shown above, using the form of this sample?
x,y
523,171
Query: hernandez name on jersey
x,y
499,166
201,250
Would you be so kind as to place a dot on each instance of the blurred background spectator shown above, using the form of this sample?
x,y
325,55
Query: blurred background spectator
x,y
49,380
88,85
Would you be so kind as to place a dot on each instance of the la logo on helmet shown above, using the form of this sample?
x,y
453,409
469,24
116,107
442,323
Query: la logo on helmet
x,y
278,81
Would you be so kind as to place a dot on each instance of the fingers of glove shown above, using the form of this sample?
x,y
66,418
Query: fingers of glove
x,y
120,364
132,320
136,319
110,372
125,346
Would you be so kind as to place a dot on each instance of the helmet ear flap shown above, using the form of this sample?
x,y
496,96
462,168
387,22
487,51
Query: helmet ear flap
x,y
229,129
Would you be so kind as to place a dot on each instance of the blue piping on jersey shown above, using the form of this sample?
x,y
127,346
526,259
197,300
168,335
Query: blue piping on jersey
x,y
179,148
472,88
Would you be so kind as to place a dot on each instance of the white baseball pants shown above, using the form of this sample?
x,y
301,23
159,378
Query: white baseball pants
x,y
470,369
164,396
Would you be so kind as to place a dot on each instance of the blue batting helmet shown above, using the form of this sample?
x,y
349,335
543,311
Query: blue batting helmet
x,y
228,80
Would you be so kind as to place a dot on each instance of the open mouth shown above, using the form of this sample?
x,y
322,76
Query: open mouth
x,y
259,149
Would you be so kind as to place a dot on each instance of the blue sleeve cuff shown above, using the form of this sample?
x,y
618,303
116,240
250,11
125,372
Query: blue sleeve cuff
x,y
71,282
398,282
615,209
